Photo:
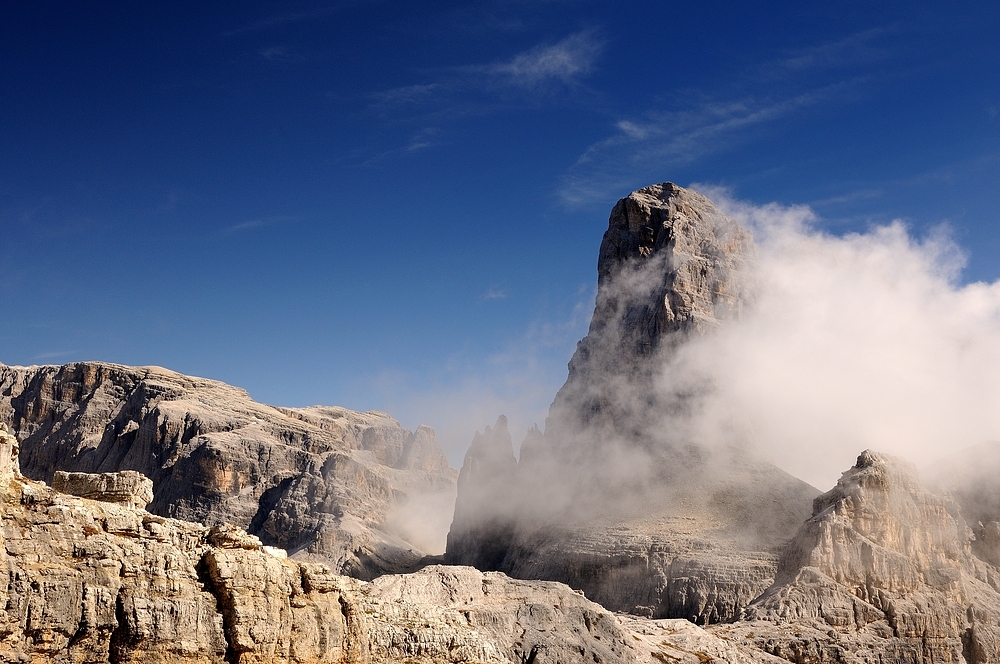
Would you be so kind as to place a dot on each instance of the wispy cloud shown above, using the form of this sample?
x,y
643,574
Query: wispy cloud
x,y
51,355
422,139
407,94
494,294
640,146
662,139
283,18
484,87
543,74
854,49
274,52
564,61
253,224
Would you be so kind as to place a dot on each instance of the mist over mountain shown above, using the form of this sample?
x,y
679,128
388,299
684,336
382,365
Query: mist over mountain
x,y
619,496
716,362
729,345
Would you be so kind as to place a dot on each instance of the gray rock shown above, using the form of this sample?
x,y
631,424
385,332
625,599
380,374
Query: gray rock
x,y
670,264
324,483
616,498
482,529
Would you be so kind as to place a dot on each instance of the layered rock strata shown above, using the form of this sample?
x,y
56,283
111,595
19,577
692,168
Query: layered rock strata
x,y
883,571
98,581
325,483
618,497
126,486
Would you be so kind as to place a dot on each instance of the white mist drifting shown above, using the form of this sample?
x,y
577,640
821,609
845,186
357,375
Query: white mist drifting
x,y
854,342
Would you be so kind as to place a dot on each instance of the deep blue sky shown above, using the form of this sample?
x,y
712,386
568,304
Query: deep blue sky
x,y
399,205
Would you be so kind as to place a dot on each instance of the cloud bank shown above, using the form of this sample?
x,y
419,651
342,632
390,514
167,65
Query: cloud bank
x,y
868,340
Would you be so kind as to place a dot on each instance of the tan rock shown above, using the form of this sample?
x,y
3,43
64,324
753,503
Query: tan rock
x,y
127,486
9,450
883,566
96,581
322,483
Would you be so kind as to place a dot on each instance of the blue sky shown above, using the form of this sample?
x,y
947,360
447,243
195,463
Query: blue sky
x,y
399,205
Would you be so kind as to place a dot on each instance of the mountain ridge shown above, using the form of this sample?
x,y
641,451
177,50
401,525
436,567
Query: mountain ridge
x,y
323,482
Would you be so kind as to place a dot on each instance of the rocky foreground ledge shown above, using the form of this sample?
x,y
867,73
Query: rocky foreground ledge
x,y
99,579
884,571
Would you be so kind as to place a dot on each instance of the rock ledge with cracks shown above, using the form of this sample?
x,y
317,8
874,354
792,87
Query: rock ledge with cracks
x,y
126,486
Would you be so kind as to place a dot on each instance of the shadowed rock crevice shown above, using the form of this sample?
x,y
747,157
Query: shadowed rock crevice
x,y
268,501
208,586
121,642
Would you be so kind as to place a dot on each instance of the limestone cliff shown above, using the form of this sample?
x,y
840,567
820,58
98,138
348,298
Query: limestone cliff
x,y
670,264
883,571
615,498
325,483
99,580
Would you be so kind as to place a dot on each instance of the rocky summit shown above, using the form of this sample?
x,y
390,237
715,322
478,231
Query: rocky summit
x,y
614,498
324,483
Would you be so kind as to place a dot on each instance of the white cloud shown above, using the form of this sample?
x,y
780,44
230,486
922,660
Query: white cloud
x,y
494,294
861,341
564,61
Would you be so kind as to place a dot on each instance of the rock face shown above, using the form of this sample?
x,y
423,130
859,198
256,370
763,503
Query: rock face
x,y
96,581
883,571
482,528
324,483
9,450
127,487
616,498
670,264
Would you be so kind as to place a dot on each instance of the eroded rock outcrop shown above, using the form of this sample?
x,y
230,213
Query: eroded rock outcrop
x,y
617,498
883,571
98,581
127,486
325,483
